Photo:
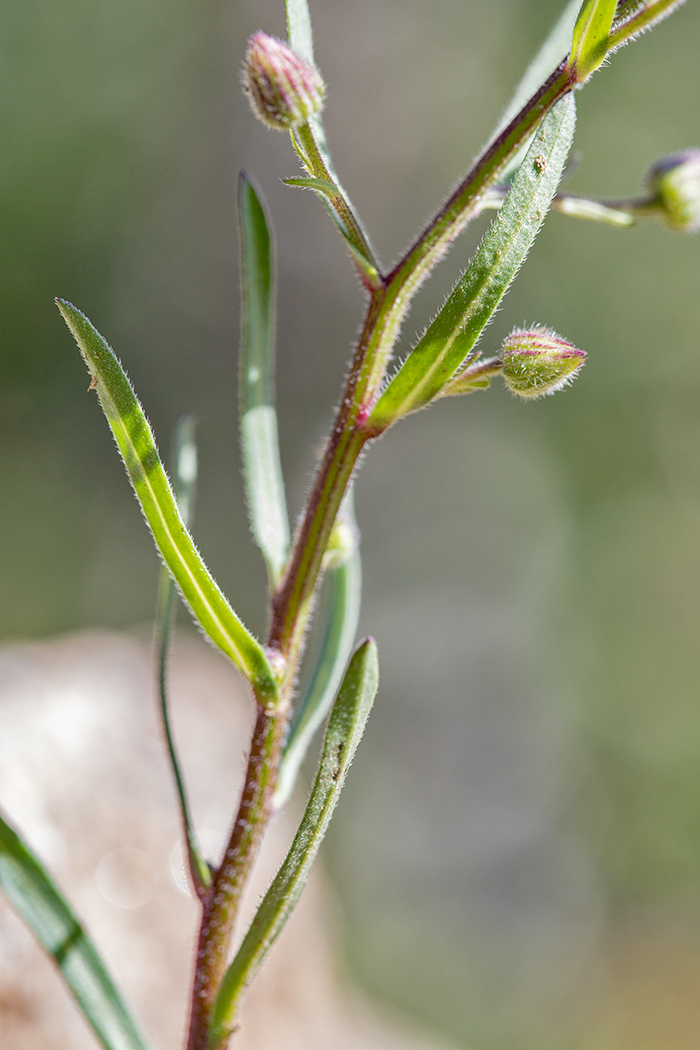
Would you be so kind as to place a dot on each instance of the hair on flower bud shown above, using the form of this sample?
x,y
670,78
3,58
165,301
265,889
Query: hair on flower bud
x,y
674,182
537,361
283,89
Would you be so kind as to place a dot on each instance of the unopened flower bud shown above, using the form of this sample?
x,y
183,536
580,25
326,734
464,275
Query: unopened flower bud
x,y
674,182
537,361
283,89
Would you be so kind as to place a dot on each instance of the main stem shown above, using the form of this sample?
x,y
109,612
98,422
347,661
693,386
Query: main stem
x,y
292,602
290,613
221,900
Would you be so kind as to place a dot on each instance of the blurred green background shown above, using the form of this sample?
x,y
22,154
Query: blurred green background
x,y
518,854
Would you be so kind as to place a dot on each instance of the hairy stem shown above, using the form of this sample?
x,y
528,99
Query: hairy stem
x,y
221,901
464,202
341,454
315,162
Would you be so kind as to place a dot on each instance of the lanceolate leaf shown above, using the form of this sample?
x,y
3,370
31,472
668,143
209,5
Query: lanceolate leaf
x,y
136,443
329,189
33,895
332,196
590,41
259,441
345,586
345,727
455,330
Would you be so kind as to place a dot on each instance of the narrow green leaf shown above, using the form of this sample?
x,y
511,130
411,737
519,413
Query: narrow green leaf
x,y
472,303
299,29
259,440
137,446
332,194
185,479
329,189
589,45
309,143
345,727
344,585
33,895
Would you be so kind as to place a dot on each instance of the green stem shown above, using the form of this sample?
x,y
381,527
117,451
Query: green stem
x,y
429,247
621,212
341,208
341,454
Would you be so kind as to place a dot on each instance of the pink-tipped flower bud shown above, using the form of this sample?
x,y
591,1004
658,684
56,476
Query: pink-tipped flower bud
x,y
674,182
537,361
283,89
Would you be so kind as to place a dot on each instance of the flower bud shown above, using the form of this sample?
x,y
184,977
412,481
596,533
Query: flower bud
x,y
283,89
675,184
537,361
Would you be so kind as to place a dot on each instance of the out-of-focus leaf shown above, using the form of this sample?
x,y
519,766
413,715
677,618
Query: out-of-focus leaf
x,y
299,29
554,49
300,35
345,727
259,439
184,483
345,586
589,45
456,329
136,443
33,895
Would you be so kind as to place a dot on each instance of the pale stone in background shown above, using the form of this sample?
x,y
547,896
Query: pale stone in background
x,y
85,779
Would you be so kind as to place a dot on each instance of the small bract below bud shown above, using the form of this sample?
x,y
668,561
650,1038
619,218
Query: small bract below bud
x,y
283,89
537,361
674,182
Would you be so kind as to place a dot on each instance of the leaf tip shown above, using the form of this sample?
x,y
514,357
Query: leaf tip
x,y
68,311
368,652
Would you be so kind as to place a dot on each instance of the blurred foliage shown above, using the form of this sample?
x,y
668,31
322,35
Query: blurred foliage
x,y
518,856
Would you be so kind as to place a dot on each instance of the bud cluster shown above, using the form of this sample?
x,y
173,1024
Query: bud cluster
x,y
283,89
537,361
